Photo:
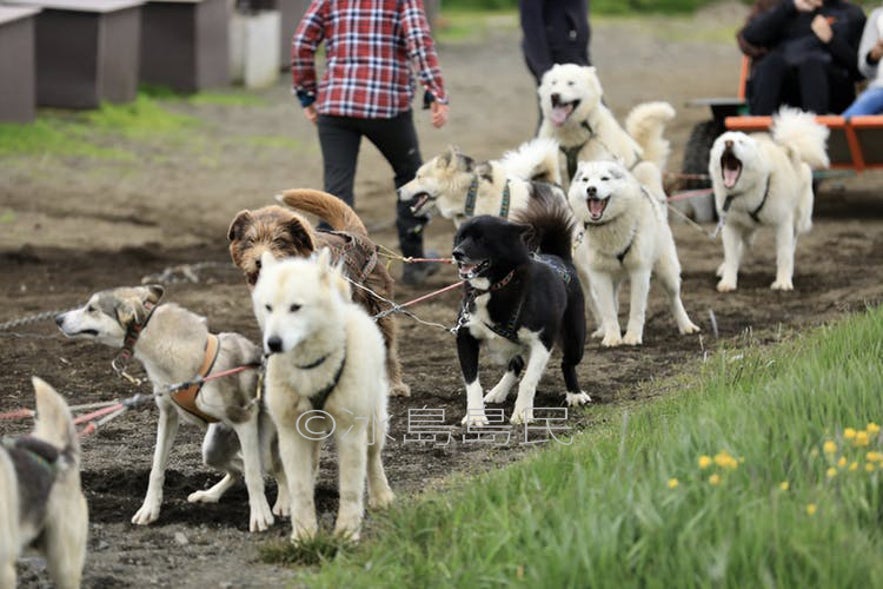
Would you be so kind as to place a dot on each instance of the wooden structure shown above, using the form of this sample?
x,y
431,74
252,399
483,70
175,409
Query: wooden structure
x,y
17,64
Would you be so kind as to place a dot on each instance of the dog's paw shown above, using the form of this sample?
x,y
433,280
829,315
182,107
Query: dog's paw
x,y
281,508
399,389
475,418
498,394
598,333
261,518
632,339
521,415
782,285
689,328
576,399
148,514
381,499
302,534
726,286
203,497
611,340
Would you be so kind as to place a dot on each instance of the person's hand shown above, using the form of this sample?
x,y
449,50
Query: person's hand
x,y
822,28
311,114
439,114
807,5
876,52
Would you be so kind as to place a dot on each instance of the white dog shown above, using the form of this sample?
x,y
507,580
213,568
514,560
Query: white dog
x,y
175,346
626,235
41,504
458,187
325,375
585,129
766,179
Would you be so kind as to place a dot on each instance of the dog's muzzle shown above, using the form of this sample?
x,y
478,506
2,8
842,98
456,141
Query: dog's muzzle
x,y
731,166
468,268
420,201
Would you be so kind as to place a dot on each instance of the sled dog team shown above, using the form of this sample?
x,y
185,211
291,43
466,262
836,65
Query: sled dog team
x,y
542,234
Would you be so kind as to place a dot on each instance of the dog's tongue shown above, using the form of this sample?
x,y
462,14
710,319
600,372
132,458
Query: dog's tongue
x,y
560,114
731,168
596,207
466,270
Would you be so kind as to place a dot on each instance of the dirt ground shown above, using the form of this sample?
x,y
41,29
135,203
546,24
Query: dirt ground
x,y
72,226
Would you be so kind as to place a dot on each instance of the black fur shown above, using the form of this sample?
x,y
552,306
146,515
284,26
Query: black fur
x,y
533,284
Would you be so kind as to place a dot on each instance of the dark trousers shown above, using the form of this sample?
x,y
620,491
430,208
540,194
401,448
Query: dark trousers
x,y
814,85
396,139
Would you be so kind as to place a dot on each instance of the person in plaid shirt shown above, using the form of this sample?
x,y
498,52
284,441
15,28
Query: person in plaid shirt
x,y
372,48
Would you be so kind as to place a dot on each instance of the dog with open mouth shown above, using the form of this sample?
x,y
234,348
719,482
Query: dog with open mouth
x,y
458,187
175,346
522,297
765,179
625,235
575,116
41,501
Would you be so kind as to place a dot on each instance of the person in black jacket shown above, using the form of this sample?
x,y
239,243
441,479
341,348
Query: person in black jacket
x,y
811,59
555,31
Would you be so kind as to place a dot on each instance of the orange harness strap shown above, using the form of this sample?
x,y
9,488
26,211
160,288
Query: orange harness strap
x,y
186,398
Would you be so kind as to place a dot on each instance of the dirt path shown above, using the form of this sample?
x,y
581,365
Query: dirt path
x,y
70,227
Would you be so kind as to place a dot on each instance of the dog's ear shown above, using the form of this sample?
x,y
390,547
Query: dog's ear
x,y
450,155
332,274
238,226
154,293
300,235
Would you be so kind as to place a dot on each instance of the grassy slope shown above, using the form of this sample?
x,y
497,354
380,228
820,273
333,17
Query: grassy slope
x,y
628,504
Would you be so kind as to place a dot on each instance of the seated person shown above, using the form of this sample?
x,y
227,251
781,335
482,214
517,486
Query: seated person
x,y
870,102
810,61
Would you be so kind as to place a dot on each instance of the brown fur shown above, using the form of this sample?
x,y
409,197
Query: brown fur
x,y
284,233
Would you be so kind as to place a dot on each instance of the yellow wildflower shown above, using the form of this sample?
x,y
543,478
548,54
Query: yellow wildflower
x,y
704,462
830,447
811,509
853,466
849,433
873,429
869,467
842,462
873,456
714,480
831,473
672,483
784,486
861,439
724,460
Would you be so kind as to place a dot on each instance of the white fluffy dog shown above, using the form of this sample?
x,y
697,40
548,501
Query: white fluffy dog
x,y
585,129
766,179
326,375
626,235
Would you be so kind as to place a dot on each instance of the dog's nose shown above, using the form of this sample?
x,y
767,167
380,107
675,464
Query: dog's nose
x,y
728,144
592,191
556,98
457,255
59,319
274,344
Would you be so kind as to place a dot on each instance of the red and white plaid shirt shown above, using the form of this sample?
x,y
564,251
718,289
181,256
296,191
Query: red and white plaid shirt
x,y
370,46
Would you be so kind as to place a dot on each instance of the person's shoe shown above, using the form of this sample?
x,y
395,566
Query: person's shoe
x,y
415,274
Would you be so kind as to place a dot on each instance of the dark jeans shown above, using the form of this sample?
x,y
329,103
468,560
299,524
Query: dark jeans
x,y
814,85
396,139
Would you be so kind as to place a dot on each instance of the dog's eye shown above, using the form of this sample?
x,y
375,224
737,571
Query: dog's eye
x,y
605,178
294,308
570,83
257,264
269,308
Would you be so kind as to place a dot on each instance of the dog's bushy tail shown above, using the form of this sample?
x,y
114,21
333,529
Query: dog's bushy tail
x,y
326,206
646,124
551,221
799,132
54,422
534,160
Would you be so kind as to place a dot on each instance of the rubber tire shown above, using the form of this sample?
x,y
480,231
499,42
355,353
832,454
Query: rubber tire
x,y
696,162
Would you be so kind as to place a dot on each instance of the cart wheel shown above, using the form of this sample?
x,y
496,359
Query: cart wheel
x,y
696,163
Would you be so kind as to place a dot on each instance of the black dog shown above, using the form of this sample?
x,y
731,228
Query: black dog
x,y
519,303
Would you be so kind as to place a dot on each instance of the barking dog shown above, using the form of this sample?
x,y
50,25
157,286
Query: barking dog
x,y
518,304
41,503
585,129
325,375
285,234
459,187
766,179
175,346
625,234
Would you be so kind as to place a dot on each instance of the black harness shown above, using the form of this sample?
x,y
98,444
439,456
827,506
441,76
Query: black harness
x,y
472,196
755,214
572,153
319,399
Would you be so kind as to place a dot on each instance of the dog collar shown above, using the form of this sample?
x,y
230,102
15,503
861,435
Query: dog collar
x,y
314,364
186,398
472,195
133,332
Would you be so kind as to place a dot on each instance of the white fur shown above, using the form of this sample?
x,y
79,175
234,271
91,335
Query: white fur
x,y
632,224
779,164
305,313
640,147
171,348
446,179
61,534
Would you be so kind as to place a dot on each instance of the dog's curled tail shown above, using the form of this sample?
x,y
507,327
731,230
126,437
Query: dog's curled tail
x,y
326,206
646,124
551,221
534,160
799,132
54,422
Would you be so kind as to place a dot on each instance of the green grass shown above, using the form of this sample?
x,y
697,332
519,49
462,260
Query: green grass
x,y
605,512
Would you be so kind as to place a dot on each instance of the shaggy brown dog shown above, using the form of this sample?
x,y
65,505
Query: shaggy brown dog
x,y
284,233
